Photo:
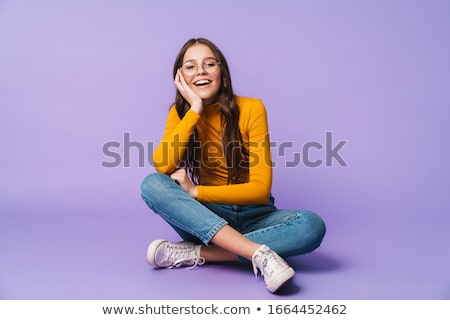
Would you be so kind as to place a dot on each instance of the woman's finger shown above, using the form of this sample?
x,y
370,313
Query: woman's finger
x,y
177,81
185,90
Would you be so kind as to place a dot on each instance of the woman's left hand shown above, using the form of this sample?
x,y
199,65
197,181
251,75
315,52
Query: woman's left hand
x,y
180,176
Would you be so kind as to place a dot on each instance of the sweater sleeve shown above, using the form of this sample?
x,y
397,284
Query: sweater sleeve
x,y
257,189
174,141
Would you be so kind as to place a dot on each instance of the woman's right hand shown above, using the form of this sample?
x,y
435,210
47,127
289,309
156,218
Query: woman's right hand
x,y
181,177
191,97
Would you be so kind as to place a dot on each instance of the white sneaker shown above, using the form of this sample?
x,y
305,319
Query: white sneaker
x,y
165,254
274,269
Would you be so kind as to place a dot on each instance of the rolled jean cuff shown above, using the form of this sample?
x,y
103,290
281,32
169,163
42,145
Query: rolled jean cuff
x,y
207,238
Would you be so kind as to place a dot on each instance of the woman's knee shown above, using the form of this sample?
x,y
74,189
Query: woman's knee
x,y
316,223
153,184
314,227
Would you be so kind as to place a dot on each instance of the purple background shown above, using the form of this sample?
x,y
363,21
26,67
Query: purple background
x,y
75,75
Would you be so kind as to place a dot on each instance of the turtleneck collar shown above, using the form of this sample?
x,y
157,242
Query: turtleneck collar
x,y
211,108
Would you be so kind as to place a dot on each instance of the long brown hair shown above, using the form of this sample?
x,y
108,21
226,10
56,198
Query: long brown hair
x,y
236,154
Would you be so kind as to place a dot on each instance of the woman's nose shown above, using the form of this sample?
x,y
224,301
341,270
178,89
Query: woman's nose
x,y
201,69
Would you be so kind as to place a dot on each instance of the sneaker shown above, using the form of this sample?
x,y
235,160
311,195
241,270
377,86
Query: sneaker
x,y
165,254
274,269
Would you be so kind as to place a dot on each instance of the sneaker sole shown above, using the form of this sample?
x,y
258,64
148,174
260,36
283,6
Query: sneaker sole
x,y
151,252
281,280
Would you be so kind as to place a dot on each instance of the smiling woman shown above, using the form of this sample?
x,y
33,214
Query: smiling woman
x,y
214,178
200,70
209,65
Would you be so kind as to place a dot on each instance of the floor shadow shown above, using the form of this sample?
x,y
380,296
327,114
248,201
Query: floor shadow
x,y
314,262
288,289
237,266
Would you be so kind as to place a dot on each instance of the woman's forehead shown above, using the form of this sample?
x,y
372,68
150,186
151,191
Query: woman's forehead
x,y
198,52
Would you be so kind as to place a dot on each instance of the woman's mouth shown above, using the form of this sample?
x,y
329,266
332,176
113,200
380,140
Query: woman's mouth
x,y
202,82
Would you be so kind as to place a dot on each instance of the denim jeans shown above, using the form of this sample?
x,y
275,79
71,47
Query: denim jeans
x,y
287,232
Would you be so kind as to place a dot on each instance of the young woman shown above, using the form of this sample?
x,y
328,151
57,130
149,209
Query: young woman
x,y
213,184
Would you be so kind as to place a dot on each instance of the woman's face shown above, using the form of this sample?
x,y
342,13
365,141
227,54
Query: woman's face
x,y
205,83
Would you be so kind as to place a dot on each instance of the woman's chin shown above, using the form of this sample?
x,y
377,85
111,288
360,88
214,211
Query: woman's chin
x,y
209,100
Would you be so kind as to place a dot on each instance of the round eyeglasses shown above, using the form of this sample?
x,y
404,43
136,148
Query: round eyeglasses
x,y
190,68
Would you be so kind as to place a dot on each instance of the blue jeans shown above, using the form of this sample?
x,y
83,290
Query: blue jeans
x,y
287,232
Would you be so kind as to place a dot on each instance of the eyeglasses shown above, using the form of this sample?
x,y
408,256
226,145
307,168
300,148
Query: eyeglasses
x,y
210,65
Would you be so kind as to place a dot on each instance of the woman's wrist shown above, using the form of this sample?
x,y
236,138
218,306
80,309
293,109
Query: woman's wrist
x,y
197,107
193,192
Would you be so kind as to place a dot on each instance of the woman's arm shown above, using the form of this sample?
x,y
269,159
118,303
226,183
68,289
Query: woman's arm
x,y
176,136
257,190
170,150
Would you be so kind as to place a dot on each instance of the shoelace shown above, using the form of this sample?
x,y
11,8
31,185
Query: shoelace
x,y
268,263
181,255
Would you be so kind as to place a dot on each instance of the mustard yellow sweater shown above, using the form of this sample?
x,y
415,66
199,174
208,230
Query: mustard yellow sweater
x,y
255,187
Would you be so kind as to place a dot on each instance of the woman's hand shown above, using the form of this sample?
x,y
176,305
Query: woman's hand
x,y
191,97
180,176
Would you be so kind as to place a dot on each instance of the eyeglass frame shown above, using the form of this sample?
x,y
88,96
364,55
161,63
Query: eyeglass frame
x,y
197,66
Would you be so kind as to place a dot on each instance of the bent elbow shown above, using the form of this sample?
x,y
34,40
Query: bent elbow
x,y
263,194
162,166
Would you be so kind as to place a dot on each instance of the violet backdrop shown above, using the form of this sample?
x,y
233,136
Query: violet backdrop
x,y
75,75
